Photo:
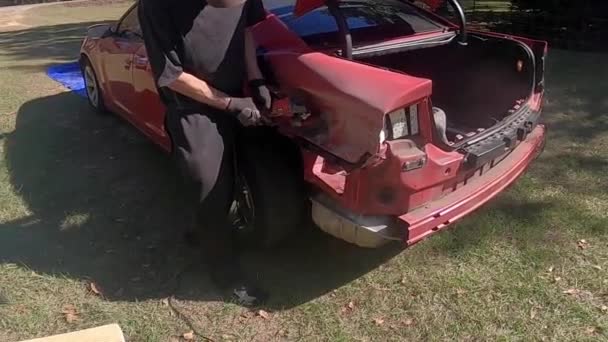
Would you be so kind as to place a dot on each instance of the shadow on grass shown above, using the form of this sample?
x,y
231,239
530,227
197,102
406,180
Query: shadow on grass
x,y
59,42
105,205
576,95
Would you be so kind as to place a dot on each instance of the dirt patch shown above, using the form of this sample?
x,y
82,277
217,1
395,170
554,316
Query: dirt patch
x,y
11,19
12,25
93,3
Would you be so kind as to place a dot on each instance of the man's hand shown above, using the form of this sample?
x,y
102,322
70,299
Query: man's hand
x,y
260,93
245,110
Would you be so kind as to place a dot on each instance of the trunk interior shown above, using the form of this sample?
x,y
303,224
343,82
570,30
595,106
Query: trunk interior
x,y
475,86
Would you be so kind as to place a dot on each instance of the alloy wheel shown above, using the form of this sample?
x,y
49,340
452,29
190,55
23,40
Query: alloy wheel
x,y
91,86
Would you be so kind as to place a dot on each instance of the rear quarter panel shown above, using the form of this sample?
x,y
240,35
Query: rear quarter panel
x,y
350,98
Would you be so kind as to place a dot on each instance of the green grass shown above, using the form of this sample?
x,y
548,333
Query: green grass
x,y
85,198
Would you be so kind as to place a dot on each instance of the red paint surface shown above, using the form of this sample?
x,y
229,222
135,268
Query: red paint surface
x,y
304,6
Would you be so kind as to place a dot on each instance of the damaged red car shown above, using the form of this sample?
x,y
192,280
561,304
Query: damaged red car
x,y
389,122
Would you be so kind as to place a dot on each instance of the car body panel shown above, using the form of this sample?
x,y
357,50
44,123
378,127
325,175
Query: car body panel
x,y
350,111
150,109
304,6
116,57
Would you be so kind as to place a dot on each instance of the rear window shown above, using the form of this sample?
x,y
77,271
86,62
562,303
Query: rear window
x,y
368,20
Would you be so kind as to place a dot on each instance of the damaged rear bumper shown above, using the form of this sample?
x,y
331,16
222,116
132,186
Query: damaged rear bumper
x,y
374,231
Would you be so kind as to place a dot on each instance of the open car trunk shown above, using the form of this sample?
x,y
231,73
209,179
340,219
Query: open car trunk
x,y
477,86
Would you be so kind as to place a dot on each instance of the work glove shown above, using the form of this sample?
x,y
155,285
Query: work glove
x,y
260,93
244,110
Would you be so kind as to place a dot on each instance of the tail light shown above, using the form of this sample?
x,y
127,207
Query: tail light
x,y
402,123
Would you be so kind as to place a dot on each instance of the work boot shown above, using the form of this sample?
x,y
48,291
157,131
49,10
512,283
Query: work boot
x,y
230,280
248,295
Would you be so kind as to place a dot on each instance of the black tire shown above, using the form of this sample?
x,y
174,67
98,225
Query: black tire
x,y
271,167
92,82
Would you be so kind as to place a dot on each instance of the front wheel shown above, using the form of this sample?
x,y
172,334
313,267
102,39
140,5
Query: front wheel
x,y
270,198
91,83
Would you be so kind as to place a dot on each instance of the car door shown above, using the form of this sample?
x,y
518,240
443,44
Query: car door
x,y
150,110
117,53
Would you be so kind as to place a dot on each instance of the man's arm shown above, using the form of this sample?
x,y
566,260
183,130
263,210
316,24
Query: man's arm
x,y
260,92
161,38
199,90
255,14
253,69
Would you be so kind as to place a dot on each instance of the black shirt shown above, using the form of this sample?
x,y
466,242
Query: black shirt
x,y
194,37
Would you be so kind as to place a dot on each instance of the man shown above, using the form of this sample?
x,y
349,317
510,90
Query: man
x,y
202,54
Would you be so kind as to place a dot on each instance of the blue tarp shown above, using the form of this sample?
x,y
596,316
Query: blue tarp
x,y
69,76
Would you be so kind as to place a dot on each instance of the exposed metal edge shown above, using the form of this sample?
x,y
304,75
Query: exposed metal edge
x,y
386,48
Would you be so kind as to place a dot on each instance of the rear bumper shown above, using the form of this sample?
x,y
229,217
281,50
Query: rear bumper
x,y
437,215
373,231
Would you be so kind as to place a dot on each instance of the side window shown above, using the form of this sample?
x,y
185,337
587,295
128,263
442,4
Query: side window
x,y
129,26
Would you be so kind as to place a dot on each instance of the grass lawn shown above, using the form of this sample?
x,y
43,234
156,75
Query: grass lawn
x,y
84,198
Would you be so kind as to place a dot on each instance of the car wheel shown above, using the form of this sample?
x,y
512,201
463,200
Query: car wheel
x,y
93,90
270,195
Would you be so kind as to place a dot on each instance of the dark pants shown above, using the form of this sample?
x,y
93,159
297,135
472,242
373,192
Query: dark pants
x,y
203,147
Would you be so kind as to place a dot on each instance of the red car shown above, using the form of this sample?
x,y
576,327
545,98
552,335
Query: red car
x,y
392,120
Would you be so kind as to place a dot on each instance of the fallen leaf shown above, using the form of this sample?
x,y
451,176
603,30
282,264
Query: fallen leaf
x,y
71,318
597,267
227,337
348,307
403,281
557,279
188,336
263,314
604,308
20,309
68,308
165,301
572,291
95,288
408,322
70,313
591,330
582,244
460,291
551,269
378,321
532,313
